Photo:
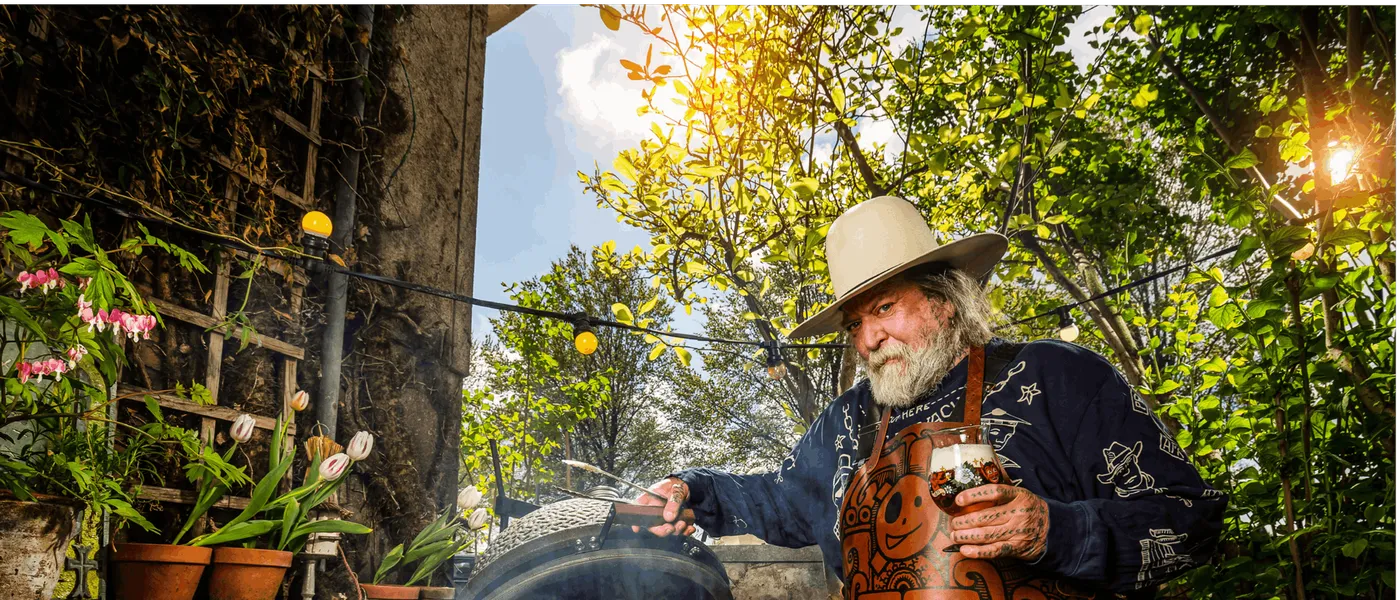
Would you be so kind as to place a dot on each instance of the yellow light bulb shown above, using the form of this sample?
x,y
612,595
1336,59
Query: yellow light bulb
x,y
316,223
1069,333
1339,164
778,371
586,342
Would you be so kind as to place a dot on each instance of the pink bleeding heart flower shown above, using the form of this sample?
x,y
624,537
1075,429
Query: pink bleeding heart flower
x,y
76,354
24,371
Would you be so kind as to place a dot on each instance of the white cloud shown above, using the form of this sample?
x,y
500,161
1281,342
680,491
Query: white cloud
x,y
1082,31
881,131
598,98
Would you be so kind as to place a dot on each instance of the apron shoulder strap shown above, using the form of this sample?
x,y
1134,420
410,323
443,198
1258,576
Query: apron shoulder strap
x,y
976,363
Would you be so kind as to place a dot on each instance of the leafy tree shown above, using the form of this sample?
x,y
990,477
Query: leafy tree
x,y
544,401
1195,128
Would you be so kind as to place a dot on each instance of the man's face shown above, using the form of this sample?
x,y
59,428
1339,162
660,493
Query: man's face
x,y
900,335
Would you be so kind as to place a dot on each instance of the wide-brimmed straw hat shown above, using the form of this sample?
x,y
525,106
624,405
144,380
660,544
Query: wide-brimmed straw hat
x,y
883,237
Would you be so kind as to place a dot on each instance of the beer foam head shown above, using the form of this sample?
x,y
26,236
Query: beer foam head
x,y
950,457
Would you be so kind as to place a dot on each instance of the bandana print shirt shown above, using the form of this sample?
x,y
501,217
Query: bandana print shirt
x,y
1127,508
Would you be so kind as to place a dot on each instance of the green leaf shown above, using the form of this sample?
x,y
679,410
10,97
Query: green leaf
x,y
1355,547
1218,296
684,355
656,351
289,517
330,526
1244,160
1142,24
648,305
1145,95
1263,131
622,313
236,532
390,561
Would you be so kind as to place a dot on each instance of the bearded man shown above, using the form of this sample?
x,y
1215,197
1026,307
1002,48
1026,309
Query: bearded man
x,y
1100,498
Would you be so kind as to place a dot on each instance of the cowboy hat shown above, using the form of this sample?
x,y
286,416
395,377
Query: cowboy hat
x,y
883,237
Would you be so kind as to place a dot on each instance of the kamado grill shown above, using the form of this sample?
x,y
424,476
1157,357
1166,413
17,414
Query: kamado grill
x,y
582,549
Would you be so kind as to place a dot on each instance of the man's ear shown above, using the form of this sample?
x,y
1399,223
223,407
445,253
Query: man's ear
x,y
943,311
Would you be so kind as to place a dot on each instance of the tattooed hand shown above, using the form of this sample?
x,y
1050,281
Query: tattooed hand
x,y
1012,522
678,493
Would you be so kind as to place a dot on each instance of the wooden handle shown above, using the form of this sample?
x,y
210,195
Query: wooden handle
x,y
646,515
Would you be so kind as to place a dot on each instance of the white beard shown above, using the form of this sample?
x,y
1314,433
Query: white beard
x,y
897,385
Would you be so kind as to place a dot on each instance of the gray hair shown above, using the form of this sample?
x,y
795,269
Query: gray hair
x,y
972,312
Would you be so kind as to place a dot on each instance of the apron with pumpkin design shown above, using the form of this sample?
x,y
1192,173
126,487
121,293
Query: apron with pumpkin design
x,y
893,536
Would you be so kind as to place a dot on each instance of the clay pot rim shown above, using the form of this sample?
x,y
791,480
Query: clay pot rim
x,y
162,553
258,557
391,588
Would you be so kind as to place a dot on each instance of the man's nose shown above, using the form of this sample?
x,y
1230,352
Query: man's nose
x,y
870,337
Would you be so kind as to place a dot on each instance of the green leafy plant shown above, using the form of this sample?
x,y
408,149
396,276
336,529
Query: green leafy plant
x,y
282,523
212,473
64,316
438,540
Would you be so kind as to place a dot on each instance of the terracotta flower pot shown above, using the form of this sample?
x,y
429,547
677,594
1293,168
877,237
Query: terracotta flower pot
x,y
389,592
247,573
157,571
33,538
437,593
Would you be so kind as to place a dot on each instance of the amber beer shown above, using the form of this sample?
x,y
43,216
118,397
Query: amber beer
x,y
961,460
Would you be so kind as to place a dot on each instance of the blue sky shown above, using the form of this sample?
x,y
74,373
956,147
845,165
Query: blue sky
x,y
556,102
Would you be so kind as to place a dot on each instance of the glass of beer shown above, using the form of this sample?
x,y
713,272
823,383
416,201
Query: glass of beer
x,y
962,459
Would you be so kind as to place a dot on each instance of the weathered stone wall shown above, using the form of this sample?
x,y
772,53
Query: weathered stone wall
x,y
758,571
406,352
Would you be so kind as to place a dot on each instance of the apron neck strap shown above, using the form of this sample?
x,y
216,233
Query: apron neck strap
x,y
976,364
972,407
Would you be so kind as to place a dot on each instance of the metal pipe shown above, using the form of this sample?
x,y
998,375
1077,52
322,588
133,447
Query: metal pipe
x,y
343,220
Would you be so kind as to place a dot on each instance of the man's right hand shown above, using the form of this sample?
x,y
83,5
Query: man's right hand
x,y
677,493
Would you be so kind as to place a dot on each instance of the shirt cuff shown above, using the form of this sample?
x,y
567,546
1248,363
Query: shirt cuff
x,y
1066,540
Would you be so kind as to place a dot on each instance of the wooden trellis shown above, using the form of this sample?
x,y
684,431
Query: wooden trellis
x,y
288,354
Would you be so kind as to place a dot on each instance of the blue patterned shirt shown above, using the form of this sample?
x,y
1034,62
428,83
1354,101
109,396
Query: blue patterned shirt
x,y
1127,508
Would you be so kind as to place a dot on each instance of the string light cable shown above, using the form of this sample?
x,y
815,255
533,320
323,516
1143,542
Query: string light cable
x,y
316,228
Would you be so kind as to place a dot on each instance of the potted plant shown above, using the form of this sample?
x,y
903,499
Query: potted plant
x,y
279,525
173,571
437,542
62,322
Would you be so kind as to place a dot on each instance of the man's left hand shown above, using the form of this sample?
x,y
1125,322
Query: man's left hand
x,y
1014,523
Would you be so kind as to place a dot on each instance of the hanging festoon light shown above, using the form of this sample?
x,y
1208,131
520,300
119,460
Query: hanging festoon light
x,y
777,368
316,233
585,340
1068,330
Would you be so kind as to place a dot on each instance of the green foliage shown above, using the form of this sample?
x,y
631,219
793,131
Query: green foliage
x,y
1189,129
284,518
57,434
544,401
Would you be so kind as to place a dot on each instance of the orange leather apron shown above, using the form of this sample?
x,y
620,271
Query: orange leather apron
x,y
892,534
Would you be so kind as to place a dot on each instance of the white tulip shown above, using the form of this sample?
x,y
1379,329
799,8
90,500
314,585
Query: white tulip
x,y
468,498
301,400
335,466
360,445
242,428
478,518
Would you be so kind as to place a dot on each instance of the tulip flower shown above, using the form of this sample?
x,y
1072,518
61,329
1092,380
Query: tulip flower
x,y
332,468
242,428
478,518
300,400
360,445
468,498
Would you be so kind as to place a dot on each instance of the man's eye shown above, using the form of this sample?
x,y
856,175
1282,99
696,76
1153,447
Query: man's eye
x,y
852,326
884,308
